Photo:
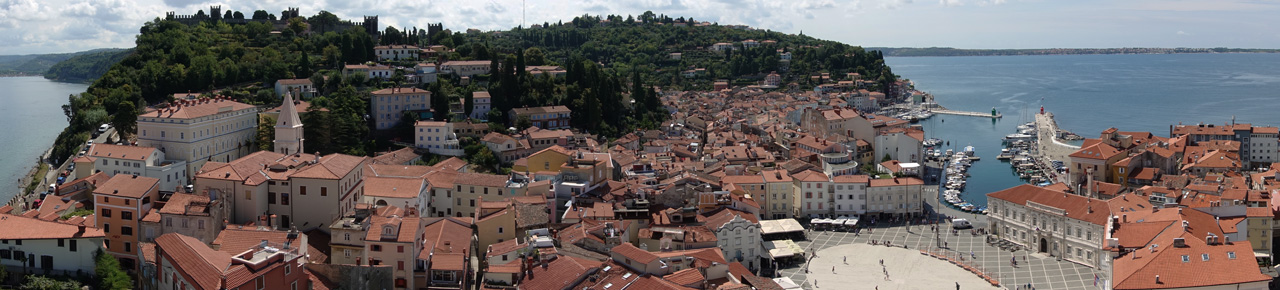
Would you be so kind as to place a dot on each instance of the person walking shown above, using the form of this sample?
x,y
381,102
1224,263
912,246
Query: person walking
x,y
957,285
846,260
833,269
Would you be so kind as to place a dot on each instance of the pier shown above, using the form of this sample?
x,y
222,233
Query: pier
x,y
965,113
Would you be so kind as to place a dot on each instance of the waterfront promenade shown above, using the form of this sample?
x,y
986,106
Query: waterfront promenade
x,y
1048,145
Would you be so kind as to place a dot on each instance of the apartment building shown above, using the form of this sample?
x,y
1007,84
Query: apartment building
x,y
388,105
119,205
113,159
201,130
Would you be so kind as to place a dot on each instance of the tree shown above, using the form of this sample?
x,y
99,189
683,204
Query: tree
x,y
237,15
126,118
468,103
267,133
304,66
35,282
261,15
109,274
535,56
886,158
228,15
298,25
523,122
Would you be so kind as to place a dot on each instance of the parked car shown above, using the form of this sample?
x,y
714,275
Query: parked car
x,y
961,224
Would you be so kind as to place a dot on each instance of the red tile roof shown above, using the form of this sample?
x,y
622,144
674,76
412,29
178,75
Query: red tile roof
x,y
131,186
563,272
25,228
121,152
393,187
1099,151
332,166
686,277
1077,207
201,108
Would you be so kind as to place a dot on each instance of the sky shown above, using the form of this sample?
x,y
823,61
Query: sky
x,y
55,26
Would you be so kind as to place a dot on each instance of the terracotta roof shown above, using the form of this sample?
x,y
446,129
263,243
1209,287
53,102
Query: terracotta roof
x,y
201,108
401,91
25,228
636,254
398,157
199,262
332,166
504,247
1077,207
406,232
447,239
121,152
1099,151
132,186
1166,260
442,179
560,273
384,170
810,176
178,204
896,181
721,216
541,110
393,187
685,277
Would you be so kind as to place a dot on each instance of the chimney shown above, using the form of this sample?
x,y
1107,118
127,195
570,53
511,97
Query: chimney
x,y
1158,279
80,228
1124,218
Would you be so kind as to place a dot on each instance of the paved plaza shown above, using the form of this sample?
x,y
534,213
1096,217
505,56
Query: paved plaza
x,y
905,268
1042,271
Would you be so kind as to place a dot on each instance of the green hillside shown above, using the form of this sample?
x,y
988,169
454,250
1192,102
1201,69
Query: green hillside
x,y
87,66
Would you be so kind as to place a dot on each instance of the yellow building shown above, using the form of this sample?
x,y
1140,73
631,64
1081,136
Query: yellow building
x,y
495,223
547,160
1260,223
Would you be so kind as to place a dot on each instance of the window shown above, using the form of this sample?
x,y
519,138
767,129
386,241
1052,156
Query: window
x,y
106,228
61,242
248,195
1204,257
324,191
376,248
200,224
126,230
287,269
399,249
73,247
126,215
499,230
284,198
1231,255
400,265
302,190
106,212
1186,258
271,198
128,247
346,252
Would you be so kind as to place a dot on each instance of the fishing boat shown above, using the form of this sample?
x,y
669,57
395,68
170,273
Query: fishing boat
x,y
931,142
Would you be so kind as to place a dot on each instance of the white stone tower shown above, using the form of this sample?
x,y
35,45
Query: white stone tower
x,y
288,128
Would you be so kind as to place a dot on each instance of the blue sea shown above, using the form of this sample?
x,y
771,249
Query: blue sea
x,y
31,114
1088,94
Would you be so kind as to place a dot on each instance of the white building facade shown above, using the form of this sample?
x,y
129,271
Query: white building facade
x,y
200,130
437,137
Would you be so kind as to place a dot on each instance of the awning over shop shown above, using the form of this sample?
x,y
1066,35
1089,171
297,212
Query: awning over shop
x,y
783,249
780,226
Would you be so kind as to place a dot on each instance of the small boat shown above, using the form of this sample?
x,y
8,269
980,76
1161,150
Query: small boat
x,y
931,142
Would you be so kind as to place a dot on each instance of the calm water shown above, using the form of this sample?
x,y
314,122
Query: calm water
x,y
31,114
1088,94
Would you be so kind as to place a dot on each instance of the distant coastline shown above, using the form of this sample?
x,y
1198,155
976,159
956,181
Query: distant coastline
x,y
948,51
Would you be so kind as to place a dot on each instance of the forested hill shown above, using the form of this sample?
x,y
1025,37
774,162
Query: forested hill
x,y
647,42
87,66
37,64
611,65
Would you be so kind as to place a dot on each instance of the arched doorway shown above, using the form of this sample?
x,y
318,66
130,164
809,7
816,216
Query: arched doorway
x,y
381,203
1044,245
